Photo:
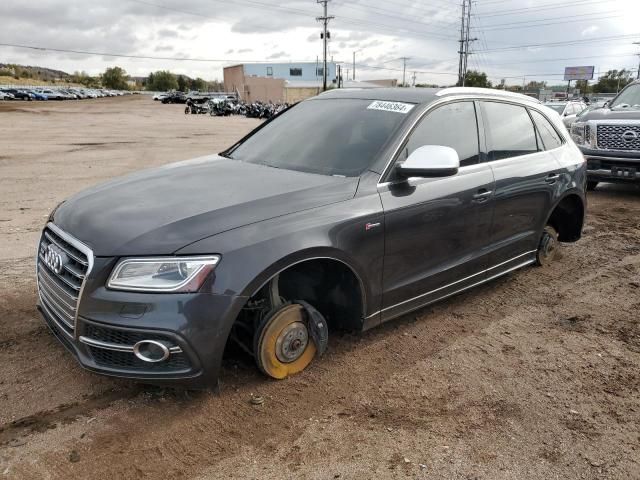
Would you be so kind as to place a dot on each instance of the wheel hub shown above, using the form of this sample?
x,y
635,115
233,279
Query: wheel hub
x,y
548,246
292,342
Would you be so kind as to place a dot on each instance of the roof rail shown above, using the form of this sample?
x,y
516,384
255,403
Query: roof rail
x,y
485,91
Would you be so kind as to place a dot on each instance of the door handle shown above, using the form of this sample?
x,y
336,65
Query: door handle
x,y
482,195
552,178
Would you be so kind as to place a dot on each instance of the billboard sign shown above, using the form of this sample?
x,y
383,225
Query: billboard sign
x,y
578,73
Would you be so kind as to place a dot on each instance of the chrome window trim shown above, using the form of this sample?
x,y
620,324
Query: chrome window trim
x,y
521,102
90,259
458,281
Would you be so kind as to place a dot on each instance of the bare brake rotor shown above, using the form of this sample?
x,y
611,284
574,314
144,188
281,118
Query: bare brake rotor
x,y
292,342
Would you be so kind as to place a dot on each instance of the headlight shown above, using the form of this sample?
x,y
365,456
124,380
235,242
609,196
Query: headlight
x,y
162,274
578,133
583,134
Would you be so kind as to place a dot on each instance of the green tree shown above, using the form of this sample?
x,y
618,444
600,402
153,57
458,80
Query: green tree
x,y
477,79
115,78
198,84
182,83
161,81
85,79
583,86
612,81
535,86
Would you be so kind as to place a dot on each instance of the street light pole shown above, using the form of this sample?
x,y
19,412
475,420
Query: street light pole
x,y
354,64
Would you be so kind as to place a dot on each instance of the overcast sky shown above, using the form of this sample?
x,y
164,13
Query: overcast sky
x,y
602,33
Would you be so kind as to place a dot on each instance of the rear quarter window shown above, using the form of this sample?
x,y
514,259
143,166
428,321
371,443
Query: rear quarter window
x,y
548,133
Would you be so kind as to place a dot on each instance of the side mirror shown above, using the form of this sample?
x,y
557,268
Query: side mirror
x,y
430,161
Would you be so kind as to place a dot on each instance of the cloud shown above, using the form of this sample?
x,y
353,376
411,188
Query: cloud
x,y
268,30
167,33
589,30
277,55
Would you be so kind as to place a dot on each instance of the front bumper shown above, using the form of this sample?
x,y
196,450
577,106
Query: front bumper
x,y
193,326
606,166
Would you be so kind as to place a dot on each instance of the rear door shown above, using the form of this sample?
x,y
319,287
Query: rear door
x,y
437,229
525,176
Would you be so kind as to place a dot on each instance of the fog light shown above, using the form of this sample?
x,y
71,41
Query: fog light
x,y
151,351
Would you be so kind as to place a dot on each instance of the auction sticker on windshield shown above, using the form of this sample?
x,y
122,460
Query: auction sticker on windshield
x,y
397,107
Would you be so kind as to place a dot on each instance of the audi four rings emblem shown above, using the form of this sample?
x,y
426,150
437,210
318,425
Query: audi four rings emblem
x,y
629,136
54,258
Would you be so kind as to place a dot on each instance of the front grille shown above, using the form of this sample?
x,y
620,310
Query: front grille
x,y
128,361
610,137
60,290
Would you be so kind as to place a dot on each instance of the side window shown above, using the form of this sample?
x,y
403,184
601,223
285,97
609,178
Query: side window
x,y
510,132
453,125
550,137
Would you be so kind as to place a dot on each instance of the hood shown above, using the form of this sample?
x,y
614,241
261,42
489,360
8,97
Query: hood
x,y
159,211
609,114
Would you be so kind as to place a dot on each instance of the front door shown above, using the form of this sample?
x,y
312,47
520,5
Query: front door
x,y
437,229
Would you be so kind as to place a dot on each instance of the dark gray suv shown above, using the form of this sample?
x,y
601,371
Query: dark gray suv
x,y
342,212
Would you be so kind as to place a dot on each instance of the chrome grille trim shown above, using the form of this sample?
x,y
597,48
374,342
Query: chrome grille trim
x,y
60,294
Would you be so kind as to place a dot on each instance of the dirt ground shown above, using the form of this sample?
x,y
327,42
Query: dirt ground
x,y
534,376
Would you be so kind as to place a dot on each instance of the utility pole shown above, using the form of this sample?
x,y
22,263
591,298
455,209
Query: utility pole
x,y
467,40
638,75
461,49
325,34
354,66
404,70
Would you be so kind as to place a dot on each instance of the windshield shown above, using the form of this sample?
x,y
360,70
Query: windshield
x,y
330,137
629,98
558,107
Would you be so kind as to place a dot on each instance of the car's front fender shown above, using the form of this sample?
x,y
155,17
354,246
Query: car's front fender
x,y
252,254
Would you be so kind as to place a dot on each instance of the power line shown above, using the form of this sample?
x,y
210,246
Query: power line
x,y
561,22
124,55
564,17
391,14
539,8
563,43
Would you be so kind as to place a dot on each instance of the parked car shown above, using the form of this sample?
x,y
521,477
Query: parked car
x,y
18,94
175,97
567,110
609,138
38,95
571,119
6,96
391,202
52,94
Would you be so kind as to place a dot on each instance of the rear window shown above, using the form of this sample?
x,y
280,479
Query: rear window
x,y
330,137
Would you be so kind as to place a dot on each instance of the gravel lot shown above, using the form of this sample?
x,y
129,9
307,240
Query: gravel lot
x,y
534,376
